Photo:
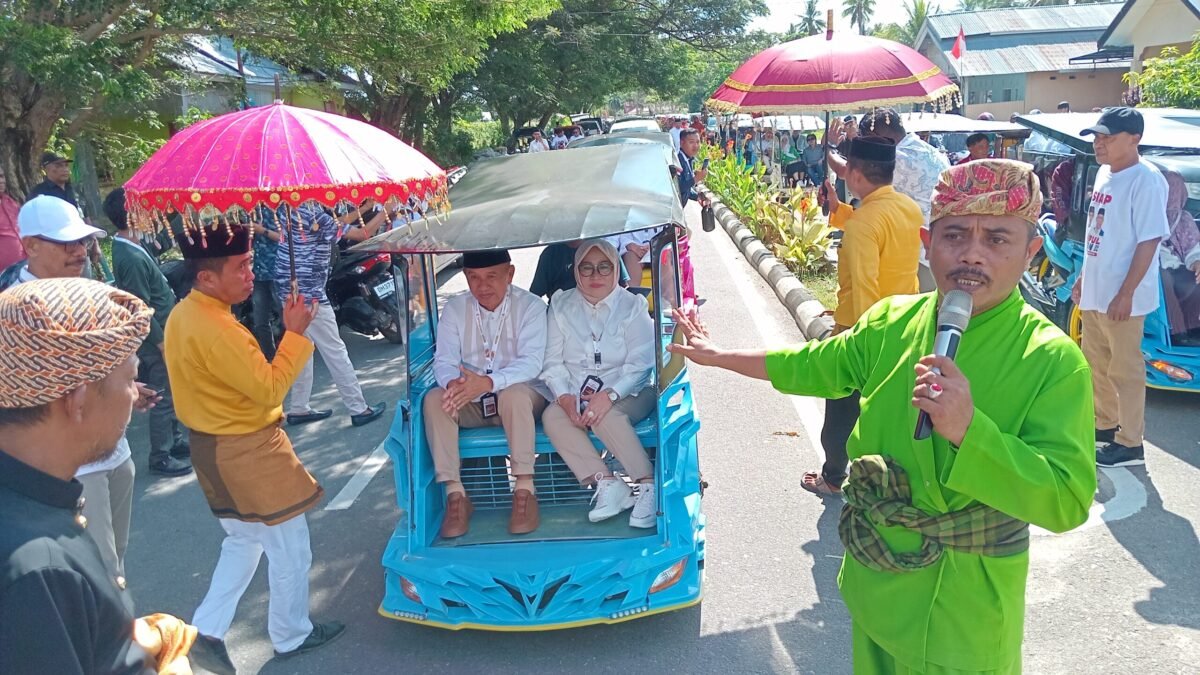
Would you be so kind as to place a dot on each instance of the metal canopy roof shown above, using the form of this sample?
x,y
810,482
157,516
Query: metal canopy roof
x,y
1163,134
947,123
1106,55
545,198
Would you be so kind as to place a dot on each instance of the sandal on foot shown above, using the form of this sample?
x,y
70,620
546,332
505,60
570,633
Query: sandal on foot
x,y
816,484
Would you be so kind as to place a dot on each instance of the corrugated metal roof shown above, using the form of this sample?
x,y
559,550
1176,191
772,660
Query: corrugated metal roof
x,y
1025,59
1025,19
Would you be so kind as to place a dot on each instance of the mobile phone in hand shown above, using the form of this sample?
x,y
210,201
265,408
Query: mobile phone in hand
x,y
591,385
704,166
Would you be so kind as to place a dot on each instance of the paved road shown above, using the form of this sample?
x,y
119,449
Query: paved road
x,y
1117,596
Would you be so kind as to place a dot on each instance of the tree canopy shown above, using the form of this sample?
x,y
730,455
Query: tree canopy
x,y
578,56
1171,80
71,60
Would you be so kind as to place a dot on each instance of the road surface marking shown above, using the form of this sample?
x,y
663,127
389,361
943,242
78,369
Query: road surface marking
x,y
359,481
1129,497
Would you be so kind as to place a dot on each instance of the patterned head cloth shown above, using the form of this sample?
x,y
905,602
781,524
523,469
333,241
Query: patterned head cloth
x,y
988,187
59,334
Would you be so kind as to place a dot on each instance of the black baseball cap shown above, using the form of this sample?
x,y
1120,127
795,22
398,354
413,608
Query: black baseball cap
x,y
52,157
1115,120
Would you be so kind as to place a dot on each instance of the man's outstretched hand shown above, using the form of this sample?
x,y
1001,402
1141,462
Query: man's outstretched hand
x,y
698,346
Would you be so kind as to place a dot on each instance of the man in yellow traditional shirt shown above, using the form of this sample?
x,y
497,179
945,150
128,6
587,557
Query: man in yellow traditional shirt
x,y
878,257
232,401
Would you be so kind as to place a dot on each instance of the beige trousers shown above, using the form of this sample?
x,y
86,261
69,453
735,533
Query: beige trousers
x,y
107,503
616,432
1114,352
519,405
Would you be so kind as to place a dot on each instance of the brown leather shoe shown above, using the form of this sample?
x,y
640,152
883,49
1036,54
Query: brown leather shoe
x,y
524,517
458,515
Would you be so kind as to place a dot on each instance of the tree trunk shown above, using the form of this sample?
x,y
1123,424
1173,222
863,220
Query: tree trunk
x,y
27,118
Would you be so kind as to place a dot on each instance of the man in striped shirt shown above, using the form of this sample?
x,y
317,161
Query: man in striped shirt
x,y
315,232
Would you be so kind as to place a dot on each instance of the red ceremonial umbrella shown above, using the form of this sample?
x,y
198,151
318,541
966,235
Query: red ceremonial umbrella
x,y
277,155
833,72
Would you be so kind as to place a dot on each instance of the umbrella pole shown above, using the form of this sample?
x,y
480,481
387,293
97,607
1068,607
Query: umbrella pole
x,y
292,255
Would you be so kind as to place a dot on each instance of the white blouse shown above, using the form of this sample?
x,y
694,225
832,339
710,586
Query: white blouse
x,y
618,328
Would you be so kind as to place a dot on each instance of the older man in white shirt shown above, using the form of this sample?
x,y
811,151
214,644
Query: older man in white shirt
x,y
490,346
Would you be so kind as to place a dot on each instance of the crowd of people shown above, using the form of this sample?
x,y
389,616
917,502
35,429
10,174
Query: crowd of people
x,y
81,355
224,425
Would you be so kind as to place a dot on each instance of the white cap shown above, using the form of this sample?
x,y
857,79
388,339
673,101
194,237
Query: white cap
x,y
55,219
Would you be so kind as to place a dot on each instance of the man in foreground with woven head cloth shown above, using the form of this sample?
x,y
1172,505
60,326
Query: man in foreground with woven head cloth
x,y
938,586
57,240
231,398
68,353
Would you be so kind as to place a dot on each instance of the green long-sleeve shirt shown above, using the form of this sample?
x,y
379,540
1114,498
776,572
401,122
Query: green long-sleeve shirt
x,y
1028,452
137,273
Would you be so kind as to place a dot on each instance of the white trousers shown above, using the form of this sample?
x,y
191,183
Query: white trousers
x,y
289,557
323,331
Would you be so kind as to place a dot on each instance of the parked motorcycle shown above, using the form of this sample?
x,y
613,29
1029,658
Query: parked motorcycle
x,y
362,291
1048,282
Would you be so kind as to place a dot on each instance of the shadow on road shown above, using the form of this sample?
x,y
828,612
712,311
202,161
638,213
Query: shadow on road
x,y
1148,535
815,640
1164,412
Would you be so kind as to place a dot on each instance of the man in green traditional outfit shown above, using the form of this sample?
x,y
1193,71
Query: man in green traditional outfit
x,y
937,530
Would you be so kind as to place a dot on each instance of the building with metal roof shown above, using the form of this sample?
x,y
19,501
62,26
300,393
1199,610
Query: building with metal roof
x,y
1143,28
1018,59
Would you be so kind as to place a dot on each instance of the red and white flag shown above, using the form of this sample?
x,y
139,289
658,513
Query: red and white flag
x,y
960,45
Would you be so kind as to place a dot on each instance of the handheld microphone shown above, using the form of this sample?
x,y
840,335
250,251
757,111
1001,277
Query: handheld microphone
x,y
952,320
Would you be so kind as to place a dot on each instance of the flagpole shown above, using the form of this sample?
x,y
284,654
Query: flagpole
x,y
962,70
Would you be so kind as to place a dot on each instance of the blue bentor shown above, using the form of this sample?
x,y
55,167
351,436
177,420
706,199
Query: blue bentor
x,y
569,572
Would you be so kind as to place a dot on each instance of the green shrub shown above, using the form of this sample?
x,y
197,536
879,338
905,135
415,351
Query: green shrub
x,y
791,226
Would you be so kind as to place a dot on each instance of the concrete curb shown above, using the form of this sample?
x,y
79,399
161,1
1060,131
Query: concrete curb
x,y
806,310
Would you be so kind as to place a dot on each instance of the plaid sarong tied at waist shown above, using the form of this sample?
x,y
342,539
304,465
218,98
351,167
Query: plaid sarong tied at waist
x,y
877,493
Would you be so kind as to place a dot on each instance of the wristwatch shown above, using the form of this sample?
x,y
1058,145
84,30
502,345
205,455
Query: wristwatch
x,y
613,396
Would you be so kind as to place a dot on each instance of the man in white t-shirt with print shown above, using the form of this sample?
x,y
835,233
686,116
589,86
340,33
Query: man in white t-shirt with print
x,y
1119,284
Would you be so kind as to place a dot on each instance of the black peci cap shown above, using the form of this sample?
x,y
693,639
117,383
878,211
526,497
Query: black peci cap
x,y
474,260
873,149
216,240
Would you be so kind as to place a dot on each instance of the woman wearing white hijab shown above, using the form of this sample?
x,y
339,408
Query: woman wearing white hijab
x,y
599,359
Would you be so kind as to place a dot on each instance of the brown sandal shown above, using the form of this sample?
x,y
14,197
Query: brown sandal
x,y
815,483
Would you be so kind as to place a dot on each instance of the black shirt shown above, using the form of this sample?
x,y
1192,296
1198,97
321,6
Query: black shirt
x,y
49,187
61,611
555,271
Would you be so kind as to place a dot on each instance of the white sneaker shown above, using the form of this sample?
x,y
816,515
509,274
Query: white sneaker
x,y
611,497
645,510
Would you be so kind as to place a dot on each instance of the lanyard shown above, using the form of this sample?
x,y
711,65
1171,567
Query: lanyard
x,y
596,337
491,344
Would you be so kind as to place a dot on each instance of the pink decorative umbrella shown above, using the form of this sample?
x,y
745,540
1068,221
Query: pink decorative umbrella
x,y
833,72
276,155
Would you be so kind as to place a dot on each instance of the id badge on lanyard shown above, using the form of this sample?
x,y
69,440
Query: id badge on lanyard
x,y
491,344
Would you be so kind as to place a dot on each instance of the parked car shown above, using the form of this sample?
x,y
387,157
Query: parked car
x,y
634,124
